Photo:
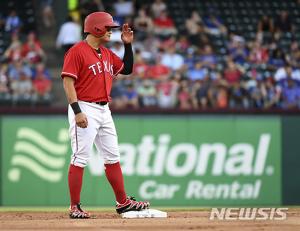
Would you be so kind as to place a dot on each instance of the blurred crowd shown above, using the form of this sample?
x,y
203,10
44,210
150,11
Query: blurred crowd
x,y
183,69
199,64
24,78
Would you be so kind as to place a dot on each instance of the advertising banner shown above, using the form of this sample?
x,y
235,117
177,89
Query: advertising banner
x,y
170,161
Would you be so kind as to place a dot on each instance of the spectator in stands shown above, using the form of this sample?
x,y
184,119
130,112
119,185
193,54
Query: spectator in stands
x,y
265,29
265,25
166,93
218,91
13,22
74,9
140,66
19,76
238,97
149,47
158,70
147,94
41,84
257,94
283,24
118,49
69,34
172,59
157,7
143,25
232,73
258,53
237,49
116,36
117,94
271,94
195,28
32,52
184,96
190,58
131,96
200,92
164,25
276,60
291,94
123,8
285,72
4,89
182,44
214,25
47,13
197,72
294,55
168,42
221,97
14,50
208,57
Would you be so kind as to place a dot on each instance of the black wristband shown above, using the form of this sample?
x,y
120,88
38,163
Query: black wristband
x,y
75,107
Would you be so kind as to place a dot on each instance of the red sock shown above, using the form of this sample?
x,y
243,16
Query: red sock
x,y
75,183
115,177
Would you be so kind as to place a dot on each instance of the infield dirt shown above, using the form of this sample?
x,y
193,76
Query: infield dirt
x,y
187,220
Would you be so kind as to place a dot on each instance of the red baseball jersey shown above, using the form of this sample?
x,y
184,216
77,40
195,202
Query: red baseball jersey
x,y
93,73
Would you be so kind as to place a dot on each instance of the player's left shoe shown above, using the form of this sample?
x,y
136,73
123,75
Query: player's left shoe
x,y
131,205
75,212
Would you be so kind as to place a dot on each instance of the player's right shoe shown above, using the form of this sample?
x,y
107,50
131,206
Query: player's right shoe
x,y
75,212
131,205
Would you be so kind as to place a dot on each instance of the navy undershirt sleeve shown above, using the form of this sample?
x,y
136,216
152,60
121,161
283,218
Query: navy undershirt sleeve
x,y
127,60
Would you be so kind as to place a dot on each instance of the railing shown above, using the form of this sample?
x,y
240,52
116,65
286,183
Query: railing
x,y
47,110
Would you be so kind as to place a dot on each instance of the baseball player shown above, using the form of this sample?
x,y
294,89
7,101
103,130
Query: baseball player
x,y
88,72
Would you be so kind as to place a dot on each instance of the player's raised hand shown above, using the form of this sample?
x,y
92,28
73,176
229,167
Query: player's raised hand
x,y
81,120
127,34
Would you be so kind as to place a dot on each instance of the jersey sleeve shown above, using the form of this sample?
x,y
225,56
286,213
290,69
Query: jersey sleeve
x,y
117,64
72,64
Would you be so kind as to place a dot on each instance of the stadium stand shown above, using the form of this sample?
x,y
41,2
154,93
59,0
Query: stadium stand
x,y
194,55
24,78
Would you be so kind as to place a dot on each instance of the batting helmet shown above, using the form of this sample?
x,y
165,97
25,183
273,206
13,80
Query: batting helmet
x,y
97,22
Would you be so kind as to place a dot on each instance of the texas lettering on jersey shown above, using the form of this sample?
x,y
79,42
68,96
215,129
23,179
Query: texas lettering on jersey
x,y
83,63
97,68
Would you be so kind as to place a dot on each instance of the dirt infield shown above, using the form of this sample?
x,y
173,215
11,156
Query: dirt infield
x,y
187,220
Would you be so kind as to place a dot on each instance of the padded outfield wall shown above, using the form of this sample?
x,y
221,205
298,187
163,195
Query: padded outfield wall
x,y
169,160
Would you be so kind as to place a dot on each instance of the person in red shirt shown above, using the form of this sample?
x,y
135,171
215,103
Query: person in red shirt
x,y
258,54
41,84
164,25
88,72
140,67
158,70
232,74
32,51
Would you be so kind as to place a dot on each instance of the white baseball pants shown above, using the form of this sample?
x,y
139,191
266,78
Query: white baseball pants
x,y
100,131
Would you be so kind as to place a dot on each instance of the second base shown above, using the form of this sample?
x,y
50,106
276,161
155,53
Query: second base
x,y
147,213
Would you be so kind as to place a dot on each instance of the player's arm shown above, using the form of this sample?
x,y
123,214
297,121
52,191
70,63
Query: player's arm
x,y
80,118
127,60
127,38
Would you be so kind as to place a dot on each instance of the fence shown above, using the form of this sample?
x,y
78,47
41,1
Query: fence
x,y
169,160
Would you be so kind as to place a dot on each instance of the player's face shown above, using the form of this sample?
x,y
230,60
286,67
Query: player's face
x,y
106,37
